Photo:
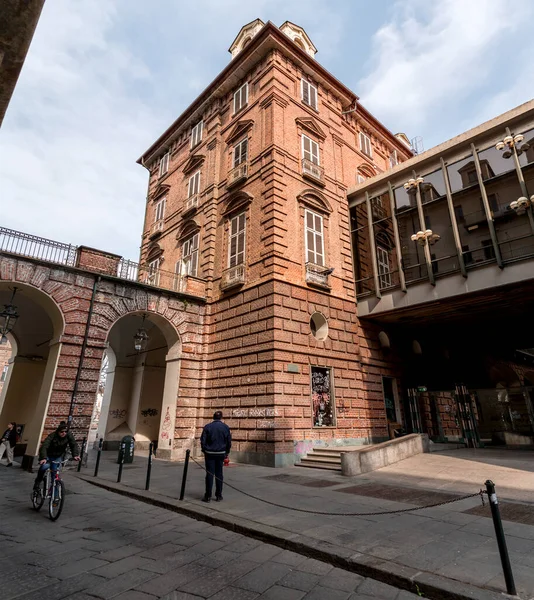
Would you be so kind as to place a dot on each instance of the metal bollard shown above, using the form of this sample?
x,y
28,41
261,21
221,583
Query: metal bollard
x,y
81,456
184,476
100,444
121,463
501,540
149,467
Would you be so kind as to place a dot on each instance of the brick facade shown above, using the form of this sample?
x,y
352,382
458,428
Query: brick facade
x,y
260,329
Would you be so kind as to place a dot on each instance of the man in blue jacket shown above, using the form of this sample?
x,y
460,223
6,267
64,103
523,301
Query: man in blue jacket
x,y
215,442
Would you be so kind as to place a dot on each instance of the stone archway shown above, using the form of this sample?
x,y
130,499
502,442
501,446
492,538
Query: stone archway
x,y
36,341
141,388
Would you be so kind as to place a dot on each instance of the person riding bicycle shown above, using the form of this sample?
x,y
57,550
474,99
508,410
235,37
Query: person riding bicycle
x,y
53,449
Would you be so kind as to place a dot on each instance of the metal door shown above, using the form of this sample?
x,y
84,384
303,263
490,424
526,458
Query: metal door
x,y
414,412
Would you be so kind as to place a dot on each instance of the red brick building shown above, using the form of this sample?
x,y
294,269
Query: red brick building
x,y
247,206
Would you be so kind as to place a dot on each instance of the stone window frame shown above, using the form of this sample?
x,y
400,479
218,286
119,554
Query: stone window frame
x,y
314,201
238,203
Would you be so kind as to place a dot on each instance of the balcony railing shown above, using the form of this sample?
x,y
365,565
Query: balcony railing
x,y
40,248
156,228
317,275
310,169
191,204
237,174
233,277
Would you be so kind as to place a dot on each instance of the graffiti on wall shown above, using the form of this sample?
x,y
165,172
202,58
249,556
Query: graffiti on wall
x,y
322,401
117,413
149,412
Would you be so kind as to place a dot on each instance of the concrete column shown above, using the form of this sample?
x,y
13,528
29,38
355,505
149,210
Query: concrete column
x,y
168,409
35,427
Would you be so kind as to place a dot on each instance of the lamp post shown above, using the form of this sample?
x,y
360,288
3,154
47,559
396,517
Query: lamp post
x,y
8,318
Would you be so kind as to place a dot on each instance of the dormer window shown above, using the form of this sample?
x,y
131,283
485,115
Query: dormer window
x,y
308,93
241,98
196,134
164,164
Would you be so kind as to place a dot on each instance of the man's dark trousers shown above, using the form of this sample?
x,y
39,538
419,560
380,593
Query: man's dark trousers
x,y
214,466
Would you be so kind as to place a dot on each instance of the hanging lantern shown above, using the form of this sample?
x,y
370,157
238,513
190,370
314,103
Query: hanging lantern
x,y
141,338
8,318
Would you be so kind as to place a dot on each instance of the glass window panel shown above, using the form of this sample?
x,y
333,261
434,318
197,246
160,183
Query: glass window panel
x,y
433,186
412,254
526,155
493,164
380,207
403,200
461,174
361,249
386,253
442,248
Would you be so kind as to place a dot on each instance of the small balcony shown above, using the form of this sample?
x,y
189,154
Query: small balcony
x,y
378,212
312,171
191,204
233,277
156,229
237,175
317,275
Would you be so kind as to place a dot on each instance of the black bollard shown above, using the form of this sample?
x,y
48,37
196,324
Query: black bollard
x,y
121,461
501,540
100,444
149,467
184,476
81,456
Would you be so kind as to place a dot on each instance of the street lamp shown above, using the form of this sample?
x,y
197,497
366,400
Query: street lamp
x,y
421,237
510,142
141,338
8,318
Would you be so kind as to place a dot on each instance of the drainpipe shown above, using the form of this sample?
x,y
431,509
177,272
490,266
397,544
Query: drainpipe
x,y
84,346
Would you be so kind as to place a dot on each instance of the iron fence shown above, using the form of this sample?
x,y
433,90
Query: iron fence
x,y
40,248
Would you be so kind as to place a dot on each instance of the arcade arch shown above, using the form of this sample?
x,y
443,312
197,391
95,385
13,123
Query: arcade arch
x,y
36,345
139,397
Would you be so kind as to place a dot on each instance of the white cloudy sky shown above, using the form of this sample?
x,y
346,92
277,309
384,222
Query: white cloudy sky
x,y
104,78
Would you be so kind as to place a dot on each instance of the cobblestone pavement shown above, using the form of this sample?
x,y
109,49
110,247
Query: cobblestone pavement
x,y
107,546
455,542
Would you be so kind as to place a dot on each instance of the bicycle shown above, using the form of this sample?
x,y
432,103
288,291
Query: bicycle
x,y
52,488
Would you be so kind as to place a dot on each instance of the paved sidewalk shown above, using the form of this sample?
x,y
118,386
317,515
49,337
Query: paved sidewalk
x,y
107,546
451,547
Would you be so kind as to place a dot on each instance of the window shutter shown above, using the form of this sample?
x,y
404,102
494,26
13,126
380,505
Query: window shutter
x,y
305,92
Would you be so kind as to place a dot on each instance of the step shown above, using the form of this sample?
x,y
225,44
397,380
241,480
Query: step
x,y
323,459
316,452
318,465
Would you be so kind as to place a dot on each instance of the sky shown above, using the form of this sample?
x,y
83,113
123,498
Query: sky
x,y
104,78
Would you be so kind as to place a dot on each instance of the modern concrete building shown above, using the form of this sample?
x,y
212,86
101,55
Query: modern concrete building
x,y
444,269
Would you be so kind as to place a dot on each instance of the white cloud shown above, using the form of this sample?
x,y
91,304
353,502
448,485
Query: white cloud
x,y
433,63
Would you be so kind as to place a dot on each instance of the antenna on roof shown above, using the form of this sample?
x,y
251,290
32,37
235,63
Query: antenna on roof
x,y
417,145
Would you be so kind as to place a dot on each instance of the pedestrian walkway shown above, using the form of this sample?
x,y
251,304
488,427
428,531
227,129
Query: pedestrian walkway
x,y
106,546
450,547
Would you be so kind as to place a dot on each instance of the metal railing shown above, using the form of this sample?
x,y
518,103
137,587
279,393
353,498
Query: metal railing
x,y
312,170
40,248
233,276
237,174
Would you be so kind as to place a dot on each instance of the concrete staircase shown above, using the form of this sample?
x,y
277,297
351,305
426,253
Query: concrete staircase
x,y
322,458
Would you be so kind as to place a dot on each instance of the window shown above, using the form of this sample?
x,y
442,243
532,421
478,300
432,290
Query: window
x,y
468,256
310,150
159,213
189,262
241,98
360,178
240,152
382,259
196,134
314,238
236,247
3,375
393,159
472,176
308,93
459,214
164,164
489,250
194,185
153,272
365,144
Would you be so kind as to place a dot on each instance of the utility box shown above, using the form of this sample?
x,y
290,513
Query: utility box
x,y
127,448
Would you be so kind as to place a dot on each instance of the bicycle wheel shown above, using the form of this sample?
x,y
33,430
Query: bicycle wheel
x,y
57,498
39,496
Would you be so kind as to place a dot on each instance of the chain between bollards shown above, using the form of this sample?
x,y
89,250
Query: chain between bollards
x,y
149,467
501,540
184,476
121,461
100,444
81,455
